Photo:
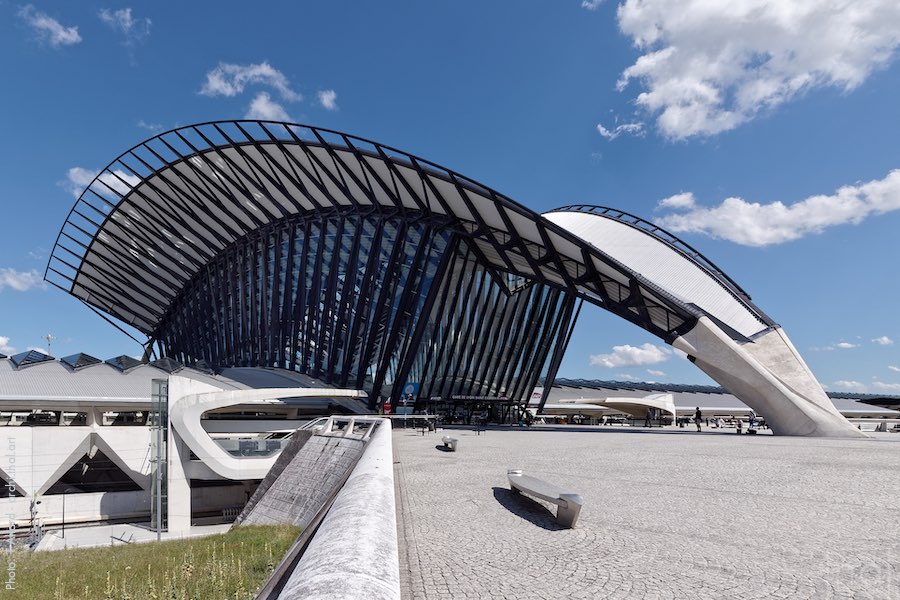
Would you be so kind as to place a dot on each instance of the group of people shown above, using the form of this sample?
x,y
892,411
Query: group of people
x,y
698,416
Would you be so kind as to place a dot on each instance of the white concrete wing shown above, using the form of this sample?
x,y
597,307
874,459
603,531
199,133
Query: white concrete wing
x,y
186,411
637,407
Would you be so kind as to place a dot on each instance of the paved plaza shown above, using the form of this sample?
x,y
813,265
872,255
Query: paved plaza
x,y
668,513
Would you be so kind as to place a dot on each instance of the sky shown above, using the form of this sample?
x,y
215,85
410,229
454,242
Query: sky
x,y
762,132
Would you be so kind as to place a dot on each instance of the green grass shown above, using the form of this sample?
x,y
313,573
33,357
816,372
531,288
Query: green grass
x,y
225,566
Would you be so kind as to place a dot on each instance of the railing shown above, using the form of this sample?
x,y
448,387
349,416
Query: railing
x,y
358,528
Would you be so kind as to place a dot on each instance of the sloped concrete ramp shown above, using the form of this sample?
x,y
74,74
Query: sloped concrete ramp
x,y
303,478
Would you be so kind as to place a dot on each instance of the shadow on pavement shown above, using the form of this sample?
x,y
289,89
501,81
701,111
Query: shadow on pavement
x,y
530,510
443,448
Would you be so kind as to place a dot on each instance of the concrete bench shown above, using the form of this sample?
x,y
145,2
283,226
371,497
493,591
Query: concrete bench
x,y
569,503
449,442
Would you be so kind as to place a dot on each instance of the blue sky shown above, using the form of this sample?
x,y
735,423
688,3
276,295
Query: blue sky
x,y
763,132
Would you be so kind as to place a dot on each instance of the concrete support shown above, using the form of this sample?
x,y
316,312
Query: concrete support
x,y
768,375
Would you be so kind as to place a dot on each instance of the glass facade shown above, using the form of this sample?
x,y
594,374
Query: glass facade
x,y
370,301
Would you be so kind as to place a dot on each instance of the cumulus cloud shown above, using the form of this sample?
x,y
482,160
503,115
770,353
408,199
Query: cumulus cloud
x,y
47,29
886,387
591,4
845,346
631,356
678,201
755,224
79,178
707,67
328,99
894,368
849,386
655,373
837,346
635,129
123,22
5,348
266,109
883,341
230,80
20,281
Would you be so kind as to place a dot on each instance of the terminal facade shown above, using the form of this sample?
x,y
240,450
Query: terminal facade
x,y
259,244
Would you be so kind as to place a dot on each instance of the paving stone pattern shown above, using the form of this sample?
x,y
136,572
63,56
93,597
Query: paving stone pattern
x,y
667,514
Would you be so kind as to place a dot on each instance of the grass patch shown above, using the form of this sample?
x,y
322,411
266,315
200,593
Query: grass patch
x,y
230,565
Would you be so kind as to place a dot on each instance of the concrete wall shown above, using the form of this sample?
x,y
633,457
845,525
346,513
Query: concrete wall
x,y
35,457
354,554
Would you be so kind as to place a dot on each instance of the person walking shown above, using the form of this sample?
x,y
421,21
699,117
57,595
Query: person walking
x,y
647,418
697,417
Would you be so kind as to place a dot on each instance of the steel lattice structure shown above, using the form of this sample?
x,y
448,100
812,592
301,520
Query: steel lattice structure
x,y
198,238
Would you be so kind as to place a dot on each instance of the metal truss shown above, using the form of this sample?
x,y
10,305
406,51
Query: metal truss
x,y
262,243
370,302
152,219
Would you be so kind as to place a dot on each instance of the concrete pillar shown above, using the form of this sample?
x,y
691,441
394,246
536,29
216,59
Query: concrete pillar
x,y
179,487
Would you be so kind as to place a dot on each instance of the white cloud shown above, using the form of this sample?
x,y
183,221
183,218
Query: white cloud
x,y
886,387
893,368
37,349
5,348
122,21
266,109
849,386
625,377
154,127
707,67
79,178
678,201
631,356
837,346
591,4
49,30
883,341
635,129
754,224
20,281
655,373
328,99
230,80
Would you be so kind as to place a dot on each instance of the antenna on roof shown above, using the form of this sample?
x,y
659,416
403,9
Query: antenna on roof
x,y
49,337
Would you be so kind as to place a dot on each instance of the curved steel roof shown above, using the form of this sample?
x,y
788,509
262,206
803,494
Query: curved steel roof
x,y
667,261
151,220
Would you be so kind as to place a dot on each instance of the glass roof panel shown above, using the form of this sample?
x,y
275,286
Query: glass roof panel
x,y
80,360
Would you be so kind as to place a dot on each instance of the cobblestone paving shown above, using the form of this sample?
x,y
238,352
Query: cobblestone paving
x,y
666,515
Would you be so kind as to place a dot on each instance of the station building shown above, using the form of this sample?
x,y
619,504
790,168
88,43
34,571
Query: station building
x,y
357,275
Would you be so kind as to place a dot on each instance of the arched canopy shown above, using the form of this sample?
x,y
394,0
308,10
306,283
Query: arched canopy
x,y
152,219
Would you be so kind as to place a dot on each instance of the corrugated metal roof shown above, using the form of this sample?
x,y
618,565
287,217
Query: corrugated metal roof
x,y
52,380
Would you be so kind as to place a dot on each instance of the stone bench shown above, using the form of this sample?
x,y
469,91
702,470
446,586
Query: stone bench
x,y
569,502
449,442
